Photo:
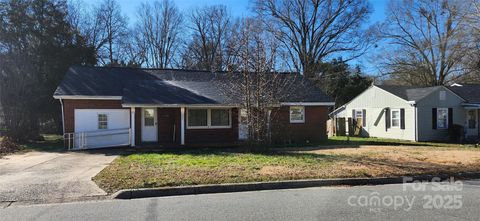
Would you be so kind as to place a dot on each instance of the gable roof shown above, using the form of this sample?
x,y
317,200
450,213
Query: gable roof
x,y
169,86
409,93
469,92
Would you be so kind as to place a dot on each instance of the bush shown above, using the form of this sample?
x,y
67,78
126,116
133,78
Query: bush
x,y
7,146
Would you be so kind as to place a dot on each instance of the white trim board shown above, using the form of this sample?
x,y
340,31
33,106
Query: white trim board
x,y
307,103
85,97
182,105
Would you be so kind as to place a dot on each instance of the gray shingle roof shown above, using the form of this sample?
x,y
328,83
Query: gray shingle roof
x,y
409,93
469,92
157,86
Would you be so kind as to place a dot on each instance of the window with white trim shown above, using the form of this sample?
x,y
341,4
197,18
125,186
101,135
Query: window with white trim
x,y
198,118
220,117
358,115
297,114
102,121
395,118
442,118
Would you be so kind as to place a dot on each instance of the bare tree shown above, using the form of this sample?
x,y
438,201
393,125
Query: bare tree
x,y
210,26
160,24
108,30
256,87
472,60
312,30
428,41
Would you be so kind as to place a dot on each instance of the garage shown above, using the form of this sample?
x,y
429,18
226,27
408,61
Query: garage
x,y
97,128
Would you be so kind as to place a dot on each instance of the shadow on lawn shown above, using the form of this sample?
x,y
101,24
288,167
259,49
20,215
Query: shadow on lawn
x,y
231,152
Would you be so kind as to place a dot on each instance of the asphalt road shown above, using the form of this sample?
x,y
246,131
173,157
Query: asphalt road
x,y
430,201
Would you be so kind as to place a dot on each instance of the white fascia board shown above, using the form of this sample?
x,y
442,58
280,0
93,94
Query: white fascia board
x,y
85,97
181,105
307,103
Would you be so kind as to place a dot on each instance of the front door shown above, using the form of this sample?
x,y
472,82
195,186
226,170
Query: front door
x,y
472,123
149,125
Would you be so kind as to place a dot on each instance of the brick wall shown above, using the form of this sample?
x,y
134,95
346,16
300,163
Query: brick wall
x,y
313,130
69,107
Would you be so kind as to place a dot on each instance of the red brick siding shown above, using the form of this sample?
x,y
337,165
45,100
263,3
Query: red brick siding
x,y
69,107
313,130
213,136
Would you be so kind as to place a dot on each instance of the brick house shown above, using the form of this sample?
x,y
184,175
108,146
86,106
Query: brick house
x,y
104,107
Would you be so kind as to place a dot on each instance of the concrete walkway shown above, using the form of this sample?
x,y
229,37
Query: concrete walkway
x,y
42,177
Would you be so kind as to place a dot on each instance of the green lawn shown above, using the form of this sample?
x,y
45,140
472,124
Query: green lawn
x,y
211,166
208,166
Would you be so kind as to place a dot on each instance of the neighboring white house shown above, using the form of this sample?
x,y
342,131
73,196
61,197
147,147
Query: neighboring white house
x,y
407,113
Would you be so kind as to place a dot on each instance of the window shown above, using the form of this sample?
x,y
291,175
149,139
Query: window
x,y
149,118
220,117
102,121
358,115
395,118
297,114
442,118
443,95
472,119
208,118
197,117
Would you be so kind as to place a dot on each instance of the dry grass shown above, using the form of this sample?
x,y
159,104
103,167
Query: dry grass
x,y
405,160
228,166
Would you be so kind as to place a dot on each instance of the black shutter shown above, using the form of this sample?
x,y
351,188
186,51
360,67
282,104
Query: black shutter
x,y
387,118
364,120
450,117
402,119
434,118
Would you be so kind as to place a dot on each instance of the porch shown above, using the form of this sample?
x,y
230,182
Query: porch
x,y
154,126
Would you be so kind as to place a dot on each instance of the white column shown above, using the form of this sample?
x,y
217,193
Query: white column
x,y
132,126
182,126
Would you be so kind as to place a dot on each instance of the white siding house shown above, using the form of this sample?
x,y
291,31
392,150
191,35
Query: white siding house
x,y
407,113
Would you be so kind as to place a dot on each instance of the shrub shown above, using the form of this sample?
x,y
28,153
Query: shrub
x,y
7,146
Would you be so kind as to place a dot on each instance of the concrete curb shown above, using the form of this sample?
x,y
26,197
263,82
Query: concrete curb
x,y
290,184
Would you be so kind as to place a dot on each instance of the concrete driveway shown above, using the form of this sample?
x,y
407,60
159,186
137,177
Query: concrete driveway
x,y
38,177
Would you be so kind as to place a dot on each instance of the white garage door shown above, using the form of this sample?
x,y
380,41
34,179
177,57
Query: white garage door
x,y
96,128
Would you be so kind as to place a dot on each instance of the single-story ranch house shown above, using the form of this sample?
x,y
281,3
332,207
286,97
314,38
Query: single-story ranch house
x,y
106,106
411,113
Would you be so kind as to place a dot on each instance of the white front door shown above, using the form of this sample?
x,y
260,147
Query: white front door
x,y
149,124
472,123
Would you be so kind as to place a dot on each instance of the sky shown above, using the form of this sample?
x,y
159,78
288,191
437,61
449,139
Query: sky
x,y
236,7
241,8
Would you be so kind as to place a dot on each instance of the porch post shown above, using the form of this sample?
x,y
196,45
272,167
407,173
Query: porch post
x,y
182,126
132,126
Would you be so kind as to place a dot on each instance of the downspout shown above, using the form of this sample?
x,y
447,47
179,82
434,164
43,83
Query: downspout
x,y
63,117
416,122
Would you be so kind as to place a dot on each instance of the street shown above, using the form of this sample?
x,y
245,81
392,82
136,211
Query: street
x,y
432,201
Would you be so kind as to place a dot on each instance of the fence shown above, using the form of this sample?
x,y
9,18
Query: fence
x,y
98,139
